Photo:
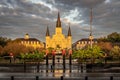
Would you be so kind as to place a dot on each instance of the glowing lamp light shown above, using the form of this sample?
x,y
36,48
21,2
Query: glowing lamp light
x,y
53,52
70,51
47,52
63,52
11,54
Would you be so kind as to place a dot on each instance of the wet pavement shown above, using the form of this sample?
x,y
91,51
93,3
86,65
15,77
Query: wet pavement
x,y
43,72
51,76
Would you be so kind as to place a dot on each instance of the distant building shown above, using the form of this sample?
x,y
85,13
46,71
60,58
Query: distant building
x,y
31,42
58,40
80,44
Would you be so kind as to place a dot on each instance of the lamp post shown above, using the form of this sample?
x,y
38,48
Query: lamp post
x,y
70,59
47,57
11,57
53,61
63,53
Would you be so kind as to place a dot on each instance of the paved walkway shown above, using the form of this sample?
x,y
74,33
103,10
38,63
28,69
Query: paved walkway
x,y
49,76
46,73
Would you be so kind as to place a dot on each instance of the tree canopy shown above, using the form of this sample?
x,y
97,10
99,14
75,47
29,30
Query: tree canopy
x,y
4,41
88,53
113,37
115,52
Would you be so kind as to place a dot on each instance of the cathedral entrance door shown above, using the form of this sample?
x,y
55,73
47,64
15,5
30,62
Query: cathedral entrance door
x,y
58,60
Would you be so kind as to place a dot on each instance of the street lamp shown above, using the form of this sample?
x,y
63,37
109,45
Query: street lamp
x,y
53,54
70,59
47,56
63,53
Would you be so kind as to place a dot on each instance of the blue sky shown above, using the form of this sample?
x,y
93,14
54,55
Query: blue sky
x,y
18,17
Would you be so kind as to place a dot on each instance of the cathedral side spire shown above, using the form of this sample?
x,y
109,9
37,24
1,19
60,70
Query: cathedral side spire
x,y
58,23
47,32
69,31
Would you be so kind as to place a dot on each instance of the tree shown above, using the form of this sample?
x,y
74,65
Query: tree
x,y
1,49
16,48
4,41
105,46
114,37
103,39
50,49
94,53
80,55
115,52
33,56
88,53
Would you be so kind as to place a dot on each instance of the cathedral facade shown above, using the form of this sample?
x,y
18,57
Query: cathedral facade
x,y
58,40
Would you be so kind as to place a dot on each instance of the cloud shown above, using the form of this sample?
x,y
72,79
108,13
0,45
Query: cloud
x,y
72,16
18,17
80,3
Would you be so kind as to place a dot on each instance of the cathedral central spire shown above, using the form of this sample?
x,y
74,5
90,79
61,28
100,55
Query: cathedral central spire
x,y
58,23
47,32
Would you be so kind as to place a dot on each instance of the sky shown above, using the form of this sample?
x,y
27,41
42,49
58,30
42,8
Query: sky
x,y
18,17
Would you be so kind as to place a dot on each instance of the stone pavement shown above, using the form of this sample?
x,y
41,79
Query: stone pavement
x,y
75,76
57,73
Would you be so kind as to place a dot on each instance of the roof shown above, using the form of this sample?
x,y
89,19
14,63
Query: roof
x,y
86,39
30,39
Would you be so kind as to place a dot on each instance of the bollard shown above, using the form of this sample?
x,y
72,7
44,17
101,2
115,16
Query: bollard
x,y
37,78
10,60
86,78
70,60
70,68
47,60
12,77
53,60
24,67
61,78
111,77
38,67
47,69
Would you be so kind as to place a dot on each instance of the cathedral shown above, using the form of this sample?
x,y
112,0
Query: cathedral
x,y
59,40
